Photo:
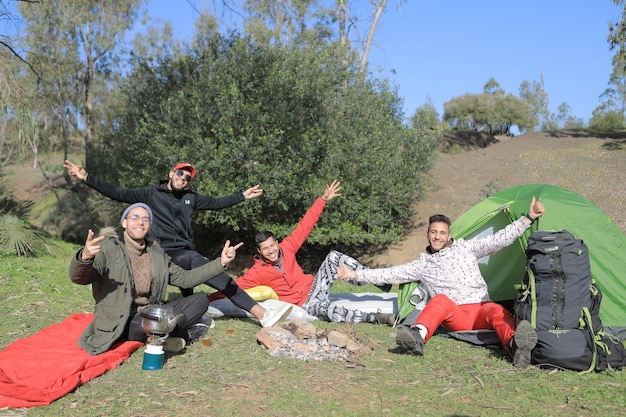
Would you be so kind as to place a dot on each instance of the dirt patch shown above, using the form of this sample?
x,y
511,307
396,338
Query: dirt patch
x,y
466,140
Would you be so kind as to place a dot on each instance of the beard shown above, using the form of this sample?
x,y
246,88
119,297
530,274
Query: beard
x,y
175,189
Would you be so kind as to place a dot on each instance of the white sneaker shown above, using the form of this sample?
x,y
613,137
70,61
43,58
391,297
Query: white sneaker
x,y
273,316
174,344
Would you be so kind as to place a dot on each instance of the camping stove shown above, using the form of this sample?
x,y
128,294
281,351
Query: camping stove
x,y
157,321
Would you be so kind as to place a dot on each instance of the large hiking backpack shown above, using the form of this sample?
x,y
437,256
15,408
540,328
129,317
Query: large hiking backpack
x,y
557,283
562,302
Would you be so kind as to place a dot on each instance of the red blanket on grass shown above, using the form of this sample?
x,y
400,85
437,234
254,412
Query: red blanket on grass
x,y
44,367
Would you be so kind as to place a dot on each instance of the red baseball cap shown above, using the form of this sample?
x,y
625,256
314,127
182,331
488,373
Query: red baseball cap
x,y
186,166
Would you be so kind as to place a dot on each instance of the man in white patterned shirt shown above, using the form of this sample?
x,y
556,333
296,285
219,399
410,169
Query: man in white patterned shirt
x,y
459,297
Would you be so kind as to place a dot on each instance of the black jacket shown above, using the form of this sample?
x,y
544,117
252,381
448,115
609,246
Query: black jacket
x,y
172,210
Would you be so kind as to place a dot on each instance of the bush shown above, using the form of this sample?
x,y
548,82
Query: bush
x,y
17,236
291,119
610,120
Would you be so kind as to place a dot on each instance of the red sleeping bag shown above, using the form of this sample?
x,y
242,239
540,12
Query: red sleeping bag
x,y
42,368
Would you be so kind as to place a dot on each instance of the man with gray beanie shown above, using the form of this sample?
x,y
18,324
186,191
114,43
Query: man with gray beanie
x,y
129,272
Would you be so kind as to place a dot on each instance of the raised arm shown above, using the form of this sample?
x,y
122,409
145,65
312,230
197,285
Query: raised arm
x,y
332,190
124,195
229,252
92,246
76,171
535,210
253,192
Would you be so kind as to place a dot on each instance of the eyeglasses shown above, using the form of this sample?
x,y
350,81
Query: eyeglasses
x,y
137,218
180,173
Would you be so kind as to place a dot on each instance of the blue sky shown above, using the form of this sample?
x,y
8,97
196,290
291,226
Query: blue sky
x,y
438,50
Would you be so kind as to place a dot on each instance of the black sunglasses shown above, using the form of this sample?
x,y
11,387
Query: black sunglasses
x,y
180,173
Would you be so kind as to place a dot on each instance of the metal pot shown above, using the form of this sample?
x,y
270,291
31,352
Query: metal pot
x,y
158,319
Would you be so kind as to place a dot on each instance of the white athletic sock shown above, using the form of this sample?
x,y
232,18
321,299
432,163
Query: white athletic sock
x,y
423,330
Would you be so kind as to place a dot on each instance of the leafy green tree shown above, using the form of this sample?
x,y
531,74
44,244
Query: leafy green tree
x,y
16,122
537,98
614,96
207,28
493,87
492,111
607,120
17,125
245,113
566,120
156,43
617,32
512,111
458,113
425,117
279,21
75,44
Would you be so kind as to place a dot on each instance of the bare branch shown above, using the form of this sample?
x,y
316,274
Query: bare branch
x,y
10,48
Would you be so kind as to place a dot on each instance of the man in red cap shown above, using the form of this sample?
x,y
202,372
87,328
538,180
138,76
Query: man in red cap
x,y
173,202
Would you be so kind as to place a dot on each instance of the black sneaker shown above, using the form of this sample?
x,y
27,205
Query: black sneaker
x,y
197,331
384,287
410,340
524,342
382,318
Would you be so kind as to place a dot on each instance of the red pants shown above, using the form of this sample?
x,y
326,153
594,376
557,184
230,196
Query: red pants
x,y
440,310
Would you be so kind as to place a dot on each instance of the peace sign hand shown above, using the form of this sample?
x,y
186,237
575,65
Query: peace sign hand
x,y
91,246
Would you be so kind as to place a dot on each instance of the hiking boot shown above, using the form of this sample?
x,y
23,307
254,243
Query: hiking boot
x,y
410,340
524,342
174,344
381,318
197,331
273,316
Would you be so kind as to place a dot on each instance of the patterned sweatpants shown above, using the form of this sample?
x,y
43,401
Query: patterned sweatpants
x,y
318,302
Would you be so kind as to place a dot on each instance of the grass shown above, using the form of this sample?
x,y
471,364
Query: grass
x,y
236,376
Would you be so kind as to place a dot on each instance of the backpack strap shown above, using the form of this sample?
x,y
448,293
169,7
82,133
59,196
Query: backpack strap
x,y
532,292
586,322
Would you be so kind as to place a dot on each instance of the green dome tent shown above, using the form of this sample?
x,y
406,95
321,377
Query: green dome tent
x,y
564,210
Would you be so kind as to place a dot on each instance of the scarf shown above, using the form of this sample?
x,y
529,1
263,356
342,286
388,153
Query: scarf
x,y
140,267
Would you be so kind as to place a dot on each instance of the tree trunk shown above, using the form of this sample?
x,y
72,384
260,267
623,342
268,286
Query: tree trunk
x,y
380,8
343,36
88,77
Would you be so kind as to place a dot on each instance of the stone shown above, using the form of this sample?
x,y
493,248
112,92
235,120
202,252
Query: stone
x,y
300,328
338,339
267,340
310,344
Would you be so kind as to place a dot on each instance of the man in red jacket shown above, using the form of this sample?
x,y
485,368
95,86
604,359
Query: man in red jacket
x,y
275,266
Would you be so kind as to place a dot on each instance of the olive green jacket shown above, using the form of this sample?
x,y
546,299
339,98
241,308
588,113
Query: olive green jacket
x,y
111,280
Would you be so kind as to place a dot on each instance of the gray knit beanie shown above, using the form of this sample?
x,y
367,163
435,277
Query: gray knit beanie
x,y
135,205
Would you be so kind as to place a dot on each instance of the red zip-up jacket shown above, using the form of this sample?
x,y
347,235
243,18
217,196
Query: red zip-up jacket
x,y
292,285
